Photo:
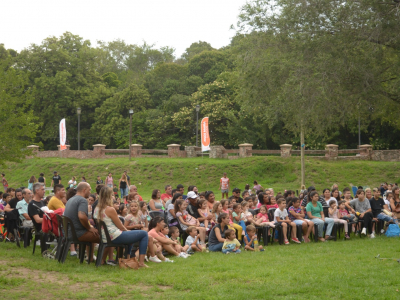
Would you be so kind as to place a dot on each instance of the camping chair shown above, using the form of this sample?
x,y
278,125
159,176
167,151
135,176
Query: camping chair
x,y
262,231
67,224
109,243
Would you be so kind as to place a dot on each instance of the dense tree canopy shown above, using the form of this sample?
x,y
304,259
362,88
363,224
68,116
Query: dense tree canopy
x,y
318,65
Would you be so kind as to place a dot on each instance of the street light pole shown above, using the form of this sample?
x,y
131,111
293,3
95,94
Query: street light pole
x,y
197,124
78,111
130,132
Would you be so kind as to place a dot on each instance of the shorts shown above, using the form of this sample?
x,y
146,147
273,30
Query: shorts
x,y
225,191
298,222
27,223
90,237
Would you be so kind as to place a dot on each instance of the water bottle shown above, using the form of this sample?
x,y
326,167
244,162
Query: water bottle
x,y
256,244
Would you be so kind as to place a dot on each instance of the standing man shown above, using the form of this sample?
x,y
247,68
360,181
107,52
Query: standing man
x,y
128,179
33,212
168,193
5,182
22,207
99,181
56,179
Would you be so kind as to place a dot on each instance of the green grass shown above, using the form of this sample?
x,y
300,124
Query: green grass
x,y
331,270
155,173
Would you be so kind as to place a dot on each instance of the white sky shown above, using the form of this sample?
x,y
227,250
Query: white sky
x,y
173,23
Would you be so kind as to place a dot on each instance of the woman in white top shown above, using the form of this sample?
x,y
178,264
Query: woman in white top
x,y
118,233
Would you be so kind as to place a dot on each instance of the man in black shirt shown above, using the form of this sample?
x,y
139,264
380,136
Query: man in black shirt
x,y
236,195
33,212
56,179
378,206
192,207
99,181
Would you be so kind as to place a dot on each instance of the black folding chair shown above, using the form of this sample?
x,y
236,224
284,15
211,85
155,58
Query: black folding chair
x,y
67,224
109,243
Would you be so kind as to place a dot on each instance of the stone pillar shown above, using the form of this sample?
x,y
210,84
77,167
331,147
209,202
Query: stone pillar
x,y
331,150
173,150
285,150
135,148
34,149
243,150
98,151
190,151
366,150
218,152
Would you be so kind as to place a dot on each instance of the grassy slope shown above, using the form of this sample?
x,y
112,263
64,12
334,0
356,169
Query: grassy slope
x,y
332,270
151,173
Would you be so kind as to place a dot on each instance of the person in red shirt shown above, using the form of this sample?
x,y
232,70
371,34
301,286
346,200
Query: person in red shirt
x,y
168,193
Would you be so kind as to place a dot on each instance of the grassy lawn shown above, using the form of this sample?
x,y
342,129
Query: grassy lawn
x,y
152,173
331,270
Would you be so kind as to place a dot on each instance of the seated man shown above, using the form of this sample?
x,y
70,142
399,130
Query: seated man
x,y
22,207
57,201
76,209
133,192
33,211
168,193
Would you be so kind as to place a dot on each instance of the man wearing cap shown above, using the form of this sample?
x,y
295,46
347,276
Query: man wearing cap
x,y
236,195
56,179
192,207
320,199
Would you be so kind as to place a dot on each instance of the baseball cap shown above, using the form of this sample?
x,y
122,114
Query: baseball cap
x,y
192,195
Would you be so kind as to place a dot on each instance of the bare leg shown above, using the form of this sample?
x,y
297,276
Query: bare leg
x,y
202,233
170,249
284,230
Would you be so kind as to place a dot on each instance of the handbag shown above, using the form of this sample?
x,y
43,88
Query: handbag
x,y
128,263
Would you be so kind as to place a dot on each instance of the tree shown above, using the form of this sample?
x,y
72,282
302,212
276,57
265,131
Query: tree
x,y
17,121
194,49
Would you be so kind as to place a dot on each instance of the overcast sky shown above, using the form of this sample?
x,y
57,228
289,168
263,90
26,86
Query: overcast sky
x,y
174,23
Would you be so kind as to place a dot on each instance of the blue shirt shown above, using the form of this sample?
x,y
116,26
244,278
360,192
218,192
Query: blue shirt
x,y
22,207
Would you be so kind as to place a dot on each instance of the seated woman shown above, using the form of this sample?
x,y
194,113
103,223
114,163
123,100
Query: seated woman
x,y
315,213
216,237
156,203
172,221
156,225
210,197
118,233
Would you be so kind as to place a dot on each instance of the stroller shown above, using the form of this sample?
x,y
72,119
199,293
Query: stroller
x,y
51,228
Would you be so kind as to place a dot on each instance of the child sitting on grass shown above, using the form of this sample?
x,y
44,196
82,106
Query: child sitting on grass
x,y
174,235
249,239
192,241
231,244
262,218
203,211
216,210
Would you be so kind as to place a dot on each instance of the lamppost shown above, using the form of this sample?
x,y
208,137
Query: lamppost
x,y
130,131
78,111
197,124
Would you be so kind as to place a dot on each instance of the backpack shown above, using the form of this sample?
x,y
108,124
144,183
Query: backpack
x,y
393,230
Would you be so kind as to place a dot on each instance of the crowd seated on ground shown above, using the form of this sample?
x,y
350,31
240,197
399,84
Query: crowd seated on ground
x,y
177,225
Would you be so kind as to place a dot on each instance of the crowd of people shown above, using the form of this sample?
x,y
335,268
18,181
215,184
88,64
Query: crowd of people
x,y
186,222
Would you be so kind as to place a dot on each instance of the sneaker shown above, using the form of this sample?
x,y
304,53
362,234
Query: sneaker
x,y
286,242
382,231
145,258
154,259
372,236
182,255
296,240
111,262
357,232
227,252
331,237
346,236
38,244
73,253
168,260
364,231
262,250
